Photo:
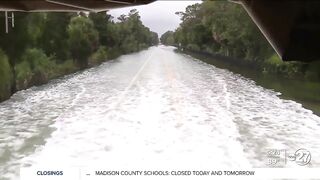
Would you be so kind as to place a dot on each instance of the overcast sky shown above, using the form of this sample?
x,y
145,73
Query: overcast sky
x,y
158,16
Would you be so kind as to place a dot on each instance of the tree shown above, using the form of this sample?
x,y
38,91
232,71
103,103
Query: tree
x,y
154,38
6,77
102,23
223,28
83,39
133,35
55,35
168,38
41,45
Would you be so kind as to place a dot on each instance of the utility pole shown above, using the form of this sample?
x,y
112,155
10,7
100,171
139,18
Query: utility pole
x,y
7,18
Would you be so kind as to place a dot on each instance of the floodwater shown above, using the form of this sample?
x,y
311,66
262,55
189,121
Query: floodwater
x,y
155,108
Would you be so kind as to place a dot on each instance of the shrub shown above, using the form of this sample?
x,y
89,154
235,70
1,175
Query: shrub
x,y
35,68
313,71
193,47
274,60
66,67
37,59
6,77
99,56
83,39
143,46
23,75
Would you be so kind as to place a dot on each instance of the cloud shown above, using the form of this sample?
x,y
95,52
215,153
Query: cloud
x,y
158,16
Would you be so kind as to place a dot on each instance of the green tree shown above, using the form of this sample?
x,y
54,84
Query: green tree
x,y
43,46
6,77
55,36
221,27
104,26
83,39
133,35
168,38
154,38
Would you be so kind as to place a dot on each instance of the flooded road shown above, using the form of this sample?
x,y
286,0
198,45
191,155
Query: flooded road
x,y
152,106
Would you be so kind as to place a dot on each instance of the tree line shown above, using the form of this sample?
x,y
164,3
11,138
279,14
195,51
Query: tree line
x,y
43,46
225,29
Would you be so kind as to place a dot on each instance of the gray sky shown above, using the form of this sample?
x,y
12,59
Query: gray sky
x,y
158,16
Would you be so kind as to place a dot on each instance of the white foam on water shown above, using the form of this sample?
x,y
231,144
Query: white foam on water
x,y
178,112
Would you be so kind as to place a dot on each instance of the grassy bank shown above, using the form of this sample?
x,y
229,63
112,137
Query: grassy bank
x,y
304,89
273,65
292,69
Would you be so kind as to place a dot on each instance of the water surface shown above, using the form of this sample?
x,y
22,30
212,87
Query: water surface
x,y
153,106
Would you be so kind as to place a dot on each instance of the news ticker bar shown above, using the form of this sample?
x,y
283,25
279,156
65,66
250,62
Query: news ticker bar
x,y
100,173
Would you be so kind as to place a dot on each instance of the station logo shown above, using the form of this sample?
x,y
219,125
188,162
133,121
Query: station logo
x,y
282,157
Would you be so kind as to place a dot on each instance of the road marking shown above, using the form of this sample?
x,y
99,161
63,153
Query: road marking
x,y
132,82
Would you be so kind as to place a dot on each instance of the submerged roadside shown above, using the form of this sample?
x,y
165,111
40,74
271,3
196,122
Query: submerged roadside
x,y
45,46
227,37
306,92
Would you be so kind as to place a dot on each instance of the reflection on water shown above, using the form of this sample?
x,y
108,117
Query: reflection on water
x,y
152,106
